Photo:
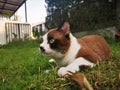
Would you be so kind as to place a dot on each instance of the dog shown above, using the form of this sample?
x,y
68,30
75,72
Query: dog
x,y
72,53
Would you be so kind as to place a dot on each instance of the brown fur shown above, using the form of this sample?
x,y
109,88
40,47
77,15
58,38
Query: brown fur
x,y
82,81
93,48
63,43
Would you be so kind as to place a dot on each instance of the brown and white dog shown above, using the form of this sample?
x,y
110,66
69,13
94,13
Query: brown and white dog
x,y
71,53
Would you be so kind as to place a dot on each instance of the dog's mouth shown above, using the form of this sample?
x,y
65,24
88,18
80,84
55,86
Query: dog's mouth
x,y
47,54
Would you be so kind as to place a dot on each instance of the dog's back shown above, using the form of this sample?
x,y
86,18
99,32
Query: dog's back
x,y
94,48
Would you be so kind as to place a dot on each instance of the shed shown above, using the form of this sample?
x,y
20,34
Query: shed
x,y
9,7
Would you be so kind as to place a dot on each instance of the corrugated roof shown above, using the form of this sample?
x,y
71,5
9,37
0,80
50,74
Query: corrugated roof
x,y
9,7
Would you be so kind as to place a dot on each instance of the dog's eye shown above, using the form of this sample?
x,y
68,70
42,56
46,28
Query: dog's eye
x,y
52,41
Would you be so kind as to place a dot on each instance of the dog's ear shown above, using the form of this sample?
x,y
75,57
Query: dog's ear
x,y
65,28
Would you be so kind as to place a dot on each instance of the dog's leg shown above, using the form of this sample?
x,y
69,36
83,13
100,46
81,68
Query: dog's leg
x,y
75,66
71,70
81,80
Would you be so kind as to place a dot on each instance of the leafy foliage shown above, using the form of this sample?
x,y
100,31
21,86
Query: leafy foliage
x,y
82,14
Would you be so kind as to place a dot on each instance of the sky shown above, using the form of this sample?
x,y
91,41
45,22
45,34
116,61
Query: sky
x,y
36,11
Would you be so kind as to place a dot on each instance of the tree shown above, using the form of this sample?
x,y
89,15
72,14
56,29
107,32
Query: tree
x,y
82,14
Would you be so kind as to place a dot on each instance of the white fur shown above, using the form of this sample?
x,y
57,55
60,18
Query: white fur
x,y
45,44
72,52
74,66
48,50
68,60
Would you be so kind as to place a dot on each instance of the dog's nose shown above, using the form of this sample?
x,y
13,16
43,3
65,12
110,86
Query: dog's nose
x,y
42,49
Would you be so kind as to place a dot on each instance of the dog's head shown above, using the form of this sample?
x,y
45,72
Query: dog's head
x,y
56,42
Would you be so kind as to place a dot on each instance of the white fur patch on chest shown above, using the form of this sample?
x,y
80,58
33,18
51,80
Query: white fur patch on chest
x,y
72,52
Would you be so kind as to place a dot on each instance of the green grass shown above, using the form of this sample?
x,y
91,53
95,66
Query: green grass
x,y
23,67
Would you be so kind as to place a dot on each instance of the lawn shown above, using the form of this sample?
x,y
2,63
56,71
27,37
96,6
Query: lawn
x,y
23,67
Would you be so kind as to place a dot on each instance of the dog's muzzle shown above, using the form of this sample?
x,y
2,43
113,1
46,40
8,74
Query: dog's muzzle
x,y
42,49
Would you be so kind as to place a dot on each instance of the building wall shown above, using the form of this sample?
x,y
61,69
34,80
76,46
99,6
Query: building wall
x,y
2,33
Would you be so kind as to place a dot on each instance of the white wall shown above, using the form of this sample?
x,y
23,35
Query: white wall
x,y
2,33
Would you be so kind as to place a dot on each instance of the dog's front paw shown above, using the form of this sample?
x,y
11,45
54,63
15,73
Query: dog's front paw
x,y
63,71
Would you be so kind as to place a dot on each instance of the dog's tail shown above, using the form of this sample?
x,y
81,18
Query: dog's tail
x,y
82,81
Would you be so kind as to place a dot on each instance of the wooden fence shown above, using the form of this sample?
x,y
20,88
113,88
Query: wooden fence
x,y
14,31
17,31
